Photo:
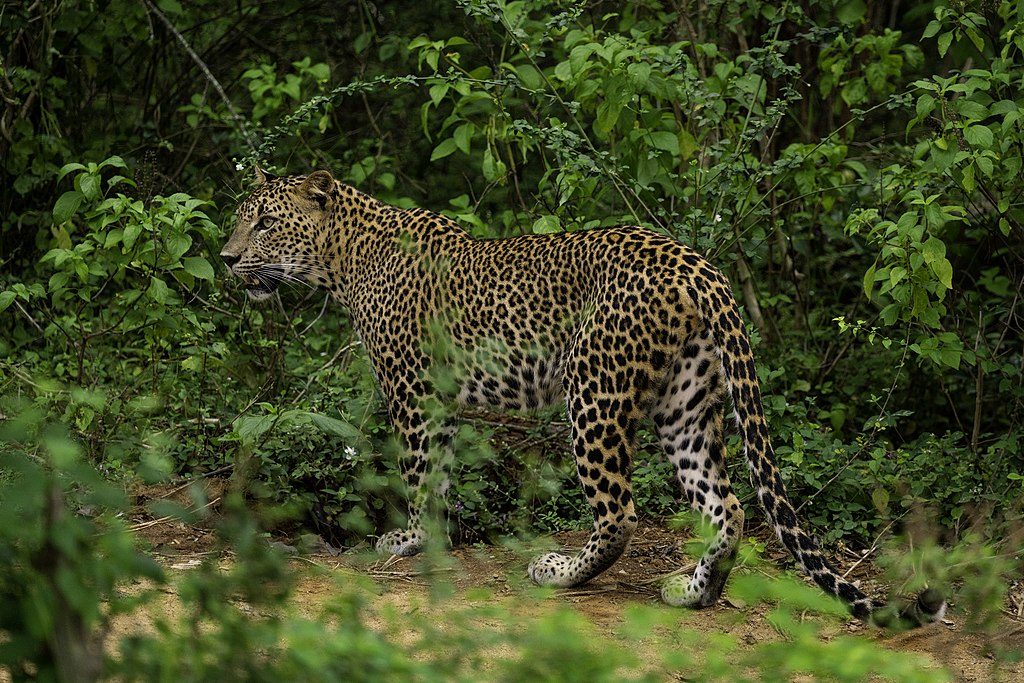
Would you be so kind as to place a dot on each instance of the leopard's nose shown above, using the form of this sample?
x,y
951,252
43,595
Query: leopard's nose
x,y
229,259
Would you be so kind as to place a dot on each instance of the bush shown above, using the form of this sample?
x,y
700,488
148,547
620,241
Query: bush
x,y
69,564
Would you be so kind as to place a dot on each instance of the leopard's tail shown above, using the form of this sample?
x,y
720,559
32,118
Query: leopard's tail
x,y
710,290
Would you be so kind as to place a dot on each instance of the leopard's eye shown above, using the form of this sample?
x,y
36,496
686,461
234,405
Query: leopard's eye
x,y
266,223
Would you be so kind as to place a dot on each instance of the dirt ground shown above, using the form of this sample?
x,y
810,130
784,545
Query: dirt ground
x,y
496,575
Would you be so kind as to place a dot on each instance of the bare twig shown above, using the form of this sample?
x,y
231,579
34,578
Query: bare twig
x,y
874,546
979,385
193,480
681,571
307,328
400,575
168,518
30,318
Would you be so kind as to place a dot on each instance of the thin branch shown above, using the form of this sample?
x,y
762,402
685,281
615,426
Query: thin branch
x,y
979,384
30,318
327,297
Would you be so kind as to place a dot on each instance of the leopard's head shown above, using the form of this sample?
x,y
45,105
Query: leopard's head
x,y
279,232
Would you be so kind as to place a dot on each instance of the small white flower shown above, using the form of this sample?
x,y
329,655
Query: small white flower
x,y
350,452
718,218
239,166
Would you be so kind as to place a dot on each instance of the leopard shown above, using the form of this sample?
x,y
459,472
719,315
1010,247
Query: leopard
x,y
626,327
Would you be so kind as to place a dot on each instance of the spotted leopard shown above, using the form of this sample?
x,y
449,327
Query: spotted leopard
x,y
621,324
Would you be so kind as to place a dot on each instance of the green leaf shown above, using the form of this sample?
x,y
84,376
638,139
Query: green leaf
x,y
437,92
985,165
336,427
925,105
199,267
6,299
444,149
851,11
546,224
185,278
896,275
944,40
68,168
580,55
463,135
933,250
177,245
971,110
978,136
292,86
63,238
607,115
944,271
666,141
976,38
418,41
854,92
493,167
877,76
57,282
563,71
967,179
170,6
618,94
131,233
250,428
687,144
320,72
531,77
880,497
158,290
869,281
89,185
66,206
950,357
639,74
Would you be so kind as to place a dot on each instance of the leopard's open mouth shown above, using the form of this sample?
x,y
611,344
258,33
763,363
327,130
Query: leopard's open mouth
x,y
261,283
260,291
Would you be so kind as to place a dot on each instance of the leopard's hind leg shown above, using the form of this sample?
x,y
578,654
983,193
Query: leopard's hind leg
x,y
688,419
607,398
603,438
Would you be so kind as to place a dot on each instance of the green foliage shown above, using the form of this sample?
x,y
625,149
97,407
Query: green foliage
x,y
64,553
68,563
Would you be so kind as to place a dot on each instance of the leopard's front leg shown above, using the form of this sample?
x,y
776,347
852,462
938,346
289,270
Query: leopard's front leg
x,y
424,467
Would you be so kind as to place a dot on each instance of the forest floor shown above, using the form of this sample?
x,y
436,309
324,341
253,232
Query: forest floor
x,y
478,577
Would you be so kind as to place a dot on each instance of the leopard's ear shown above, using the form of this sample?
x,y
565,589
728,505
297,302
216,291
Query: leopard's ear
x,y
262,177
317,186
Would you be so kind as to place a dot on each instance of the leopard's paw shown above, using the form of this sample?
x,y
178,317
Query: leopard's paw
x,y
679,591
552,569
403,542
